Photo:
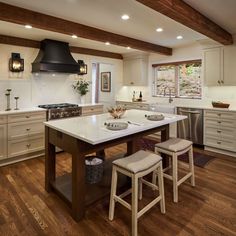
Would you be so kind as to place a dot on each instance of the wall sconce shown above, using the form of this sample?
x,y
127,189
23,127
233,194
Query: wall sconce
x,y
16,64
82,67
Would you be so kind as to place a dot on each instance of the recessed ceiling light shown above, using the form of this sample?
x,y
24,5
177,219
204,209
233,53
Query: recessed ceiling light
x,y
159,29
74,36
53,75
107,43
125,17
28,26
128,48
179,37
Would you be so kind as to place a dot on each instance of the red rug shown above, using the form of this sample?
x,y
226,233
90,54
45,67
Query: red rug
x,y
200,159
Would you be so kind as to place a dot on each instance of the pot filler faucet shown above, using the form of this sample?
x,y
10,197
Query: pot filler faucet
x,y
170,98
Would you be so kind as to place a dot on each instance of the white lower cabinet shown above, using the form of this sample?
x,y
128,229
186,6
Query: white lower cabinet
x,y
220,130
3,141
22,136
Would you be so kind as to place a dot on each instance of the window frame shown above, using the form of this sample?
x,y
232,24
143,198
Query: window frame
x,y
175,64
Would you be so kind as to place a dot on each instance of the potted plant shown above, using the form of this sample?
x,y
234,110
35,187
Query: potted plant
x,y
81,86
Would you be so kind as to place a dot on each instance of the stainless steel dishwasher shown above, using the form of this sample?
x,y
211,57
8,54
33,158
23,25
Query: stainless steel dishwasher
x,y
191,128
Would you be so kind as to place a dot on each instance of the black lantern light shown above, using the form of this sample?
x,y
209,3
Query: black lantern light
x,y
16,64
82,67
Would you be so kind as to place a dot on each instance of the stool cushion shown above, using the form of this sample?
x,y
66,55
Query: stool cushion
x,y
138,161
174,145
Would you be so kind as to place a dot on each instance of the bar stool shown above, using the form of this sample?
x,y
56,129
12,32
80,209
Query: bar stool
x,y
136,166
173,148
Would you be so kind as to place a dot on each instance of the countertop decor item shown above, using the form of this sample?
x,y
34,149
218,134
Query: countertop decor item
x,y
155,117
116,125
81,86
117,112
8,96
220,105
16,98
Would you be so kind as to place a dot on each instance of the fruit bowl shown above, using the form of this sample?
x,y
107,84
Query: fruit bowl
x,y
117,112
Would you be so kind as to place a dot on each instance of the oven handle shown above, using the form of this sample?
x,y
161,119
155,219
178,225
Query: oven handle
x,y
190,112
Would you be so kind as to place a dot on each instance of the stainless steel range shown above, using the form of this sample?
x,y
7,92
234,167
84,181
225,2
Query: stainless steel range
x,y
61,110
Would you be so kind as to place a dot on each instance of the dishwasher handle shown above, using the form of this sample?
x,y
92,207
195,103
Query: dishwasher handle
x,y
189,112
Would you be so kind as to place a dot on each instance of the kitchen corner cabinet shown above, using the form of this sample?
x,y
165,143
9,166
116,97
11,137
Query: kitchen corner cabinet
x,y
21,136
95,109
220,66
135,71
3,137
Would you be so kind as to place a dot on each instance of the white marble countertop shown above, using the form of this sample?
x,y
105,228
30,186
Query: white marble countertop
x,y
31,109
90,104
197,106
91,129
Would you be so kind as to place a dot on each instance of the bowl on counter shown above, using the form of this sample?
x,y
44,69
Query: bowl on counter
x,y
220,105
117,112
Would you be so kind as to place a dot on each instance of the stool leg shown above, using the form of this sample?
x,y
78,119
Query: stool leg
x,y
191,166
134,205
140,189
154,178
113,193
161,188
175,176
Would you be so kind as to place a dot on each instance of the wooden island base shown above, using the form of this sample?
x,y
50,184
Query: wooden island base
x,y
73,188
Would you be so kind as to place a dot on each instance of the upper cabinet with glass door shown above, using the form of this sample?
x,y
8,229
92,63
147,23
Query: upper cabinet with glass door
x,y
220,66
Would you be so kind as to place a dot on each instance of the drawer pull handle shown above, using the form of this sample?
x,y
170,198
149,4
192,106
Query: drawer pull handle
x,y
91,109
219,114
27,116
219,122
28,145
218,131
28,129
218,142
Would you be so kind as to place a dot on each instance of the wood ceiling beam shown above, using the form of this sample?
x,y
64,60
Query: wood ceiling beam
x,y
183,13
4,39
46,22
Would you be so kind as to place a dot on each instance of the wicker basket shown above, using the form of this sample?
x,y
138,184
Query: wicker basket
x,y
94,172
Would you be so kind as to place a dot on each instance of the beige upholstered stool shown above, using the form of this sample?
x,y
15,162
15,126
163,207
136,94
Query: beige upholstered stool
x,y
136,166
175,147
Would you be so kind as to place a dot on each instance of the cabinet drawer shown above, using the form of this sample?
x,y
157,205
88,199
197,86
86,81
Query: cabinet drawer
x,y
221,133
25,129
220,115
221,144
27,116
219,123
3,141
23,146
91,110
3,120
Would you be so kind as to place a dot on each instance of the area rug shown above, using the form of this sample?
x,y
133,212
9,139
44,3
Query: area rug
x,y
200,159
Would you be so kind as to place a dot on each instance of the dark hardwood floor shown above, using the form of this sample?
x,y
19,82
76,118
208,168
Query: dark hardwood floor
x,y
208,209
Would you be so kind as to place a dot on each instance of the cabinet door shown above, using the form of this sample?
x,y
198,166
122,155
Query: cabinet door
x,y
230,65
3,141
135,72
213,64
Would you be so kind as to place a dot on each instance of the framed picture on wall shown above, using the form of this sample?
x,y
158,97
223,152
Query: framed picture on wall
x,y
106,81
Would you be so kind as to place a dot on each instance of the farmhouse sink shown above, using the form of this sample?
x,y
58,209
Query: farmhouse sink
x,y
160,107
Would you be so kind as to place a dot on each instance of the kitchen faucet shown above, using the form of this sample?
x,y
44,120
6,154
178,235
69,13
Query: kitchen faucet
x,y
170,98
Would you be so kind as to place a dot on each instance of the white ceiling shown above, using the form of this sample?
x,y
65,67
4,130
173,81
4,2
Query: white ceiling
x,y
105,14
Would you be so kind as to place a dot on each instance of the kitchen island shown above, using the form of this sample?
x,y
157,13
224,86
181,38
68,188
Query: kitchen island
x,y
81,136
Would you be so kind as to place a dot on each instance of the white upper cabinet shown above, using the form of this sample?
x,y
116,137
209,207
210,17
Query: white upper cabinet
x,y
230,65
213,67
220,66
136,71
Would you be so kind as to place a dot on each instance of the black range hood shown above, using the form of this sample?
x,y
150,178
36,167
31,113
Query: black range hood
x,y
55,56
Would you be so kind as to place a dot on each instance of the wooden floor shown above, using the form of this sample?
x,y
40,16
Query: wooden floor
x,y
207,209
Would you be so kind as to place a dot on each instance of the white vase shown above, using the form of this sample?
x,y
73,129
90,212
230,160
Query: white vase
x,y
82,99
